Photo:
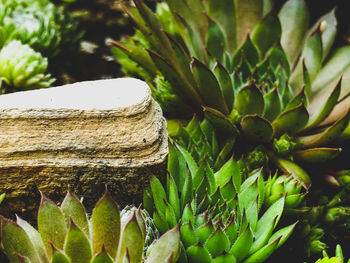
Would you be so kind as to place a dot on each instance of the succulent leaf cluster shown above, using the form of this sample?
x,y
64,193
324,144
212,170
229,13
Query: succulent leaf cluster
x,y
23,68
65,235
222,216
38,23
338,258
271,78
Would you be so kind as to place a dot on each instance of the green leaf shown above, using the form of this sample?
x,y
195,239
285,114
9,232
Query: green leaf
x,y
257,128
225,83
229,170
205,231
322,105
249,100
282,235
160,221
208,86
246,21
262,254
168,244
299,98
220,121
294,18
266,33
224,258
173,195
59,257
326,136
177,167
329,75
221,12
242,245
192,165
77,245
158,194
52,225
218,237
272,104
291,121
35,238
73,208
186,195
21,244
247,53
102,257
132,239
170,215
225,151
316,155
188,236
215,42
198,254
105,225
272,214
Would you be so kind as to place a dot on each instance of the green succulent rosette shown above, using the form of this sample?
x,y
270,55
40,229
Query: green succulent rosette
x,y
23,68
66,235
338,258
221,214
38,23
272,77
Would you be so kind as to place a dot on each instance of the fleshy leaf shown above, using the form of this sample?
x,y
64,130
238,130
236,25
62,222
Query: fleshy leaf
x,y
198,254
257,128
225,83
72,207
102,257
77,246
316,155
220,120
21,244
105,225
52,225
262,254
168,244
249,100
229,170
272,104
242,245
218,237
131,238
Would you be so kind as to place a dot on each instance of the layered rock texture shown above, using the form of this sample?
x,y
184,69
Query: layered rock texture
x,y
82,136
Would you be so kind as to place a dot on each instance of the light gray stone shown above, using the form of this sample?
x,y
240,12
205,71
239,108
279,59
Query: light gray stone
x,y
82,136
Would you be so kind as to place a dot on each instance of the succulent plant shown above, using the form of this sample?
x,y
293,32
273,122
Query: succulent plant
x,y
339,258
2,197
268,77
23,68
66,235
221,215
38,23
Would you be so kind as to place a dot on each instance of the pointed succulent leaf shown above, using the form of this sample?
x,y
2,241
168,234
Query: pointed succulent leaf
x,y
52,225
102,257
295,170
262,254
187,214
21,244
283,234
77,245
257,128
173,196
224,258
316,155
231,230
272,105
218,237
329,29
198,254
59,257
266,33
105,225
22,259
291,121
225,83
322,105
72,207
275,210
205,231
132,239
331,72
246,21
225,151
166,245
242,245
229,170
299,98
170,215
249,100
252,214
221,12
177,167
158,194
188,236
294,19
220,120
35,237
148,200
208,86
215,42
326,136
160,221
187,194
192,165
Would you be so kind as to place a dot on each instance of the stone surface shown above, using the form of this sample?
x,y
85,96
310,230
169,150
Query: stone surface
x,y
82,136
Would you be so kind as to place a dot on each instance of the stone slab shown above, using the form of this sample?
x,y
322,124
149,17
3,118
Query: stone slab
x,y
82,136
